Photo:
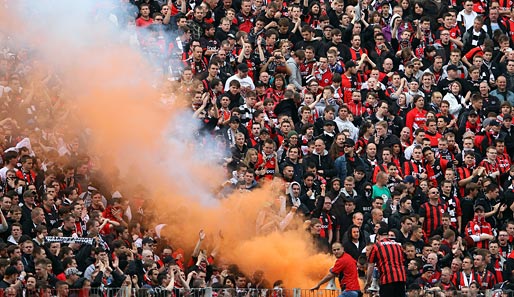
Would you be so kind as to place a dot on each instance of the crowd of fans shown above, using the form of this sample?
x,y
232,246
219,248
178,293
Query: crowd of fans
x,y
374,117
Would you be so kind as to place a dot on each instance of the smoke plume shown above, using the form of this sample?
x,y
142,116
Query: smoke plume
x,y
116,99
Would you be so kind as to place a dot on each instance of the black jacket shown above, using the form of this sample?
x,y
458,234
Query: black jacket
x,y
352,249
508,136
288,107
323,162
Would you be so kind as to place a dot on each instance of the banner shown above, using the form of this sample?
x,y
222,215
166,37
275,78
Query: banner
x,y
67,240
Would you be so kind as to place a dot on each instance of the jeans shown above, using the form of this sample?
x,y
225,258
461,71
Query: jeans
x,y
349,294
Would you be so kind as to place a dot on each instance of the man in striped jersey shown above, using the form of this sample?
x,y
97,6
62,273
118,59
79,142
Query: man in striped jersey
x,y
388,257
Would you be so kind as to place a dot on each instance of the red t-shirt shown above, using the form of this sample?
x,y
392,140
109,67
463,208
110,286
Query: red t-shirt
x,y
140,22
346,269
348,86
324,79
416,119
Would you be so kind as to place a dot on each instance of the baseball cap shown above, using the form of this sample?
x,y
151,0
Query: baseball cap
x,y
359,168
147,240
428,267
409,179
29,193
409,64
479,206
72,271
452,67
260,83
507,117
349,142
383,231
329,122
231,35
494,123
472,113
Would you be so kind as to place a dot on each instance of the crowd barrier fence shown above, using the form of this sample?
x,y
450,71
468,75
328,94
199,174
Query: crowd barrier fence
x,y
195,292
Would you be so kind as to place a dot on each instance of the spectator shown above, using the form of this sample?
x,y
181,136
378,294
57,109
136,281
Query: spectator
x,y
344,265
431,108
388,257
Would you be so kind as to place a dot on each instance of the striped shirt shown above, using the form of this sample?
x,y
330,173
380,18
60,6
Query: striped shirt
x,y
433,215
388,255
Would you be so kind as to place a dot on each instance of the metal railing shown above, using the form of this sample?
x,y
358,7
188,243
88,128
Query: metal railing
x,y
158,292
195,292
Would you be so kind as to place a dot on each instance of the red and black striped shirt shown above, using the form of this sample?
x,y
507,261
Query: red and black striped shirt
x,y
412,167
433,215
388,255
463,280
463,173
486,279
504,162
498,269
489,167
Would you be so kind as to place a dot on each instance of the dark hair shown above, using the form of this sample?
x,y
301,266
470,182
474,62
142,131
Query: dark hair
x,y
491,187
67,261
60,284
364,127
118,243
231,278
305,127
64,251
9,156
24,159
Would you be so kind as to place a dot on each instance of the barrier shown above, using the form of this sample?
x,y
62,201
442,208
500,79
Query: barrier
x,y
161,292
195,292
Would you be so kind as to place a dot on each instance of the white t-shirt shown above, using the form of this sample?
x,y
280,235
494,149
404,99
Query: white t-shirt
x,y
467,19
3,173
245,82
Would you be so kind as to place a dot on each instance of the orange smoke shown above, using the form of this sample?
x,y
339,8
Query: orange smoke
x,y
289,256
110,85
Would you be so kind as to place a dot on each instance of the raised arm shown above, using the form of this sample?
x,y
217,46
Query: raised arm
x,y
201,237
259,48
